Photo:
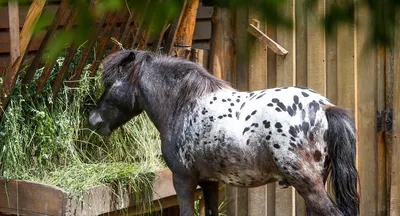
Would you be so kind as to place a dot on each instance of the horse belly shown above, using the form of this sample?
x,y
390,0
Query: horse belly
x,y
243,167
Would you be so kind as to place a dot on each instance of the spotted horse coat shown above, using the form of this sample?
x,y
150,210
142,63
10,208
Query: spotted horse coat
x,y
227,130
210,132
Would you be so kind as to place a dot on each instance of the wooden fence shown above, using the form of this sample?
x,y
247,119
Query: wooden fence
x,y
365,80
358,77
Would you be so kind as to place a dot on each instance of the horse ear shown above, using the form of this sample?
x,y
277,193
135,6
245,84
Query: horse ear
x,y
130,57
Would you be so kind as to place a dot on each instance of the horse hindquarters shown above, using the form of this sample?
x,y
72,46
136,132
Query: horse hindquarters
x,y
341,142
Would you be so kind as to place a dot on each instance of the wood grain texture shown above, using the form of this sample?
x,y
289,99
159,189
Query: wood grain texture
x,y
242,50
222,45
381,151
395,165
184,36
264,39
257,58
316,76
10,76
13,19
366,114
345,68
173,30
331,62
62,9
50,63
286,74
301,43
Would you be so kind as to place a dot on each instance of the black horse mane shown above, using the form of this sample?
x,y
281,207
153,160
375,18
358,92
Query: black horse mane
x,y
194,81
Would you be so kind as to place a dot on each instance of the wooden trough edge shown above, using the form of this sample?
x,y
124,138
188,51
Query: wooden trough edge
x,y
32,198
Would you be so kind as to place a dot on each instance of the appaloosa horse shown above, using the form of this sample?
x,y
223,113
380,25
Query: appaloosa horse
x,y
213,133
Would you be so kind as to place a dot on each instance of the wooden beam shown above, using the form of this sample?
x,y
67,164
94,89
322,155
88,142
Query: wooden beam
x,y
50,63
169,44
101,47
87,50
35,10
69,56
139,24
256,32
13,19
157,43
126,32
184,36
49,33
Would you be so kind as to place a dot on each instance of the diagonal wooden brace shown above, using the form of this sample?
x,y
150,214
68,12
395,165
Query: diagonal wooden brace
x,y
274,46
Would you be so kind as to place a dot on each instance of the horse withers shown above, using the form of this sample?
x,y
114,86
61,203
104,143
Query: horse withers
x,y
213,133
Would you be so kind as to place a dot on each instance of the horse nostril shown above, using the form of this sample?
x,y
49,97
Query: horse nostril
x,y
95,120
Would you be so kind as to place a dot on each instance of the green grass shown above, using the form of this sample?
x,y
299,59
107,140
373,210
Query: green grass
x,y
46,139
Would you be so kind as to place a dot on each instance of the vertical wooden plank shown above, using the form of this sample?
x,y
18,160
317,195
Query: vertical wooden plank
x,y
257,57
380,95
271,83
222,47
331,62
301,72
271,60
257,80
395,165
345,68
286,74
301,43
238,197
389,84
366,113
35,10
13,19
316,77
242,49
49,33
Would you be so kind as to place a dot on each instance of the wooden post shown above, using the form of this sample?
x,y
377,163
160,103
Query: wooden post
x,y
184,36
222,47
49,33
13,19
173,30
366,113
35,10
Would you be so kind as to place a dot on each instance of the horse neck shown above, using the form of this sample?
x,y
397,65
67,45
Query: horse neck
x,y
157,100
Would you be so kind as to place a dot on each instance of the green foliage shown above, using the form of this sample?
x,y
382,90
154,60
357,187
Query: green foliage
x,y
46,139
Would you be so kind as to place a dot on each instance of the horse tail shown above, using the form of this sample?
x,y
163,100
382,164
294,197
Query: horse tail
x,y
341,141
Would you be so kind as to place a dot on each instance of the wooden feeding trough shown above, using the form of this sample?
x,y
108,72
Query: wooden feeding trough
x,y
32,198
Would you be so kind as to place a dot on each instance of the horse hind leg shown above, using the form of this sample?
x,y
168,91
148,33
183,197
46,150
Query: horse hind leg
x,y
315,196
